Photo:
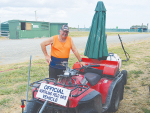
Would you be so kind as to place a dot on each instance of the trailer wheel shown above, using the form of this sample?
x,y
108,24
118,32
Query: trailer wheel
x,y
115,100
88,110
124,72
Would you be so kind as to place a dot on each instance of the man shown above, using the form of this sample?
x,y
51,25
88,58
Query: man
x,y
60,49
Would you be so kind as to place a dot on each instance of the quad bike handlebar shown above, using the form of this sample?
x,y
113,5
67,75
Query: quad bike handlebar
x,y
68,72
72,72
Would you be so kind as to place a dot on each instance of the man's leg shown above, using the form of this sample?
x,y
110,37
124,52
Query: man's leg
x,y
53,72
59,72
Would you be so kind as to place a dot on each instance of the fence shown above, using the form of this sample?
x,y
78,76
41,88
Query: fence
x,y
4,33
121,30
108,30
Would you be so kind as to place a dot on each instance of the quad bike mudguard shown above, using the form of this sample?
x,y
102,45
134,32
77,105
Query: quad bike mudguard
x,y
94,96
116,82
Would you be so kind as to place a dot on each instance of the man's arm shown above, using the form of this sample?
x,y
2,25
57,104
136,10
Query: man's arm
x,y
43,47
76,53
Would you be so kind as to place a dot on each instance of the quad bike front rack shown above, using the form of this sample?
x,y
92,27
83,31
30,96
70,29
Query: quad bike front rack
x,y
78,87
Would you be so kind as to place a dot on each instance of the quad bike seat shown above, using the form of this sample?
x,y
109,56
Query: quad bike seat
x,y
92,78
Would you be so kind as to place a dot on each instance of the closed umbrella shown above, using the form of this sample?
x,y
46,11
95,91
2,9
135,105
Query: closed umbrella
x,y
96,46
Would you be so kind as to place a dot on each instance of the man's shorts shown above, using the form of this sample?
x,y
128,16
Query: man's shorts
x,y
53,72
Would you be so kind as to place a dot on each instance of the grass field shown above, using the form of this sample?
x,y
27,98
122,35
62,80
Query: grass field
x,y
84,34
13,79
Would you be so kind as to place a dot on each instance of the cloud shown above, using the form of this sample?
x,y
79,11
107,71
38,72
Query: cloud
x,y
77,12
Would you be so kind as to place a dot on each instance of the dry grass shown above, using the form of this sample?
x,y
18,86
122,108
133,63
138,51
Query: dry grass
x,y
136,93
86,33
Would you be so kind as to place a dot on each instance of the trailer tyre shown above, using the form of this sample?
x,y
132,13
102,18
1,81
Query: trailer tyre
x,y
88,110
124,72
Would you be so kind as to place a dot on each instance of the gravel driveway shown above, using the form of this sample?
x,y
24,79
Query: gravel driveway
x,y
19,50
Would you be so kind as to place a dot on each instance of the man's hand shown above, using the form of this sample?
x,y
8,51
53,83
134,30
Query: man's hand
x,y
82,63
48,59
43,47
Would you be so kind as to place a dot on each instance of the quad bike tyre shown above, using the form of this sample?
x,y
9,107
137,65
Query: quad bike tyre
x,y
122,90
33,106
115,100
88,110
124,82
124,72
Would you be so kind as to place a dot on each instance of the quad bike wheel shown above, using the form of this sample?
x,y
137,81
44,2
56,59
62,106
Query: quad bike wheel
x,y
33,106
88,110
124,82
115,100
122,90
124,72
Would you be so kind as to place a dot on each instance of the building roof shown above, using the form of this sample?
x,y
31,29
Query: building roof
x,y
138,26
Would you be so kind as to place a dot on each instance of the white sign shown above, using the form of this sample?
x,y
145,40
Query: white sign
x,y
53,94
17,27
35,26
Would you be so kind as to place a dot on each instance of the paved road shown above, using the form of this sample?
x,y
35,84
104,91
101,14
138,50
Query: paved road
x,y
19,50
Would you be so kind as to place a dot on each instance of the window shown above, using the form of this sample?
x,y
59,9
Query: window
x,y
45,26
23,26
28,26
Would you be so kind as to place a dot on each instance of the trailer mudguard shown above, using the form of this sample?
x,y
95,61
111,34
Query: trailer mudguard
x,y
94,96
117,81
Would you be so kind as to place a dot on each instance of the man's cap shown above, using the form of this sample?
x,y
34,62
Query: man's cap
x,y
65,28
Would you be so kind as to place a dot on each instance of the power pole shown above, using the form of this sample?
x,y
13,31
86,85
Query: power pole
x,y
35,16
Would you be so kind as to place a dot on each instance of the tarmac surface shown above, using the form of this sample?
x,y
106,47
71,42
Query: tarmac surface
x,y
19,50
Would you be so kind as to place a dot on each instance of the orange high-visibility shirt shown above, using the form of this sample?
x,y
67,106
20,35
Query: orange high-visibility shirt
x,y
60,49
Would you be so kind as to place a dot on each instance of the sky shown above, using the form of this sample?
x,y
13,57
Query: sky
x,y
121,13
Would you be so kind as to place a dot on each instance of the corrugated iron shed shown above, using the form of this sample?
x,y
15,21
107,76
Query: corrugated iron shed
x,y
20,29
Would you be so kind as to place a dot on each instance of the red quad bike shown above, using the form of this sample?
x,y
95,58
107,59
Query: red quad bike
x,y
94,88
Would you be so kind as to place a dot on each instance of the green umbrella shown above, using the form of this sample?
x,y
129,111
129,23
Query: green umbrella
x,y
96,46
